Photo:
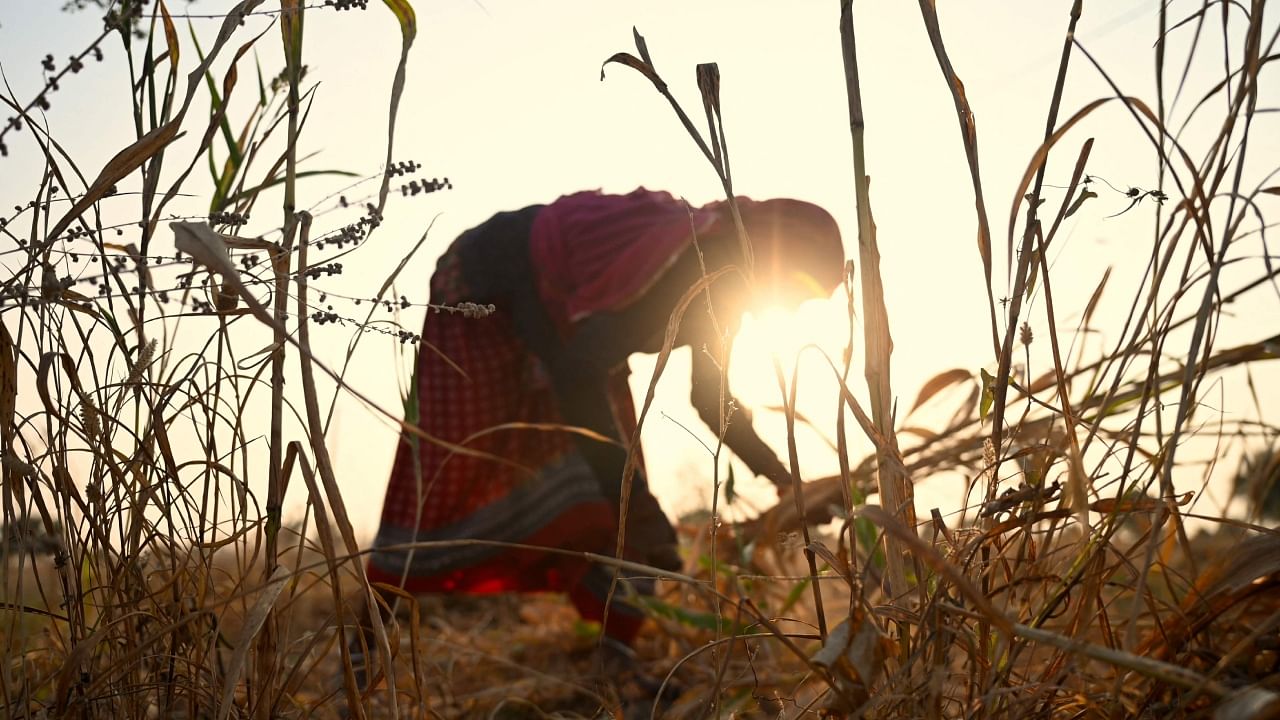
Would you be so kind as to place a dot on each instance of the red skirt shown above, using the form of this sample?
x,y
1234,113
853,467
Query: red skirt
x,y
476,386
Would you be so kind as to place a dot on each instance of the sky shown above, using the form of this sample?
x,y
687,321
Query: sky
x,y
505,98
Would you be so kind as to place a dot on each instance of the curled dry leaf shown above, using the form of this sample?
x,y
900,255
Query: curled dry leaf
x,y
923,433
854,656
1137,505
1095,297
841,567
1012,498
709,85
637,64
252,624
118,168
226,299
209,248
171,41
644,63
1084,195
938,383
1045,380
205,246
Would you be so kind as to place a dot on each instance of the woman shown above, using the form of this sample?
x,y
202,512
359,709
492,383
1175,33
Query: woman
x,y
577,286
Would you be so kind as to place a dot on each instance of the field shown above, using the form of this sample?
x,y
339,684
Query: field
x,y
163,401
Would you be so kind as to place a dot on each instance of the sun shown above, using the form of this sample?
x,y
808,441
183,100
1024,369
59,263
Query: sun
x,y
817,327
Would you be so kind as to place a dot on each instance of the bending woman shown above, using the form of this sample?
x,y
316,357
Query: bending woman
x,y
578,286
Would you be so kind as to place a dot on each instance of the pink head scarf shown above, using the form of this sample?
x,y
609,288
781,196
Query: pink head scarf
x,y
595,252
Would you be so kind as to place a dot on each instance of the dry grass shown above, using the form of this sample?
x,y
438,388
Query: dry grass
x,y
157,585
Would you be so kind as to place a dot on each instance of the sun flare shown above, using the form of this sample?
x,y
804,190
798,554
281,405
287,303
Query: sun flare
x,y
822,326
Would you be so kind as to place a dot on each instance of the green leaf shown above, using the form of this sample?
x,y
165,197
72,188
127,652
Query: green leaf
x,y
408,31
793,597
215,99
689,618
730,486
988,394
213,167
405,15
867,534
586,629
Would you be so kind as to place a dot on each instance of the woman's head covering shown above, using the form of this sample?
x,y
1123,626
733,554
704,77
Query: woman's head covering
x,y
796,248
595,252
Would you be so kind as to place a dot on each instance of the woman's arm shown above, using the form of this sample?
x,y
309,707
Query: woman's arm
x,y
740,435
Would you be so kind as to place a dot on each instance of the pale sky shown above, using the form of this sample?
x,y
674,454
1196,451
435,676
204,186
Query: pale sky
x,y
505,99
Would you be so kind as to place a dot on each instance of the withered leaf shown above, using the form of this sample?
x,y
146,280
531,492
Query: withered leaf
x,y
938,383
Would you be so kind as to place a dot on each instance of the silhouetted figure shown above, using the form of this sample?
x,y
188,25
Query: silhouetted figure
x,y
578,286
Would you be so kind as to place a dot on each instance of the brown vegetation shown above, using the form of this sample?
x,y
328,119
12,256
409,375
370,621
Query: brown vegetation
x,y
157,585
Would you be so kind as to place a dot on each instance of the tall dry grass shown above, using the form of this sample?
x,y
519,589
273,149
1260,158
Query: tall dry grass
x,y
156,584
